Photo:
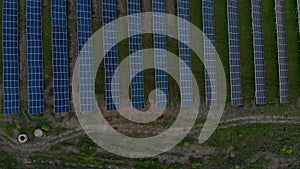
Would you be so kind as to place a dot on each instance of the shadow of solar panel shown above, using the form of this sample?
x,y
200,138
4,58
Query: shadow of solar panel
x,y
10,53
35,57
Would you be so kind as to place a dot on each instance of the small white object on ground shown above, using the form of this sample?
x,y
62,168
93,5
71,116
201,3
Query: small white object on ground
x,y
23,138
38,133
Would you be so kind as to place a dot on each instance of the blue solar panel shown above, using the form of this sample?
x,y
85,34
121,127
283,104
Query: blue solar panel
x,y
282,52
160,45
136,54
109,10
35,57
258,46
86,64
234,53
210,53
10,57
186,85
60,56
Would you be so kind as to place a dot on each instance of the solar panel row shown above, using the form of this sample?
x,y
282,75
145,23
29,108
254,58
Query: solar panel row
x,y
210,53
184,36
234,53
35,56
258,45
86,64
60,56
136,54
10,57
160,45
282,51
111,58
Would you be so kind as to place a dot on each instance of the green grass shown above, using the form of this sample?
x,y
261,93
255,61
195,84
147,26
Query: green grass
x,y
293,48
8,161
247,59
270,48
247,142
47,40
47,49
250,140
222,38
197,66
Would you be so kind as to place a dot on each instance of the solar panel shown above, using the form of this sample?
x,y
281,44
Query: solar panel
x,y
136,54
184,34
60,56
282,52
258,46
86,64
111,58
160,45
210,53
10,57
35,57
234,53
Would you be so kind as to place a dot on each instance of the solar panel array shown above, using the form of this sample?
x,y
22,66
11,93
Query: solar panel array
x,y
210,53
136,54
160,45
234,53
86,64
111,58
35,57
60,56
258,46
282,52
186,85
87,88
10,57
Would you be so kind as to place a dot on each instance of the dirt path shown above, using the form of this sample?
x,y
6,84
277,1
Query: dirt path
x,y
11,146
24,150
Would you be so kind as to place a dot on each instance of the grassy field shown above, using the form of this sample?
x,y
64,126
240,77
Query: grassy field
x,y
222,38
249,146
270,48
47,43
47,50
255,142
247,58
247,141
197,65
293,48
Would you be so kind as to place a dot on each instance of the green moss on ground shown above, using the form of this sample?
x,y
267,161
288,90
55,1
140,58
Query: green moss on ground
x,y
247,58
293,48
